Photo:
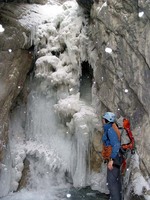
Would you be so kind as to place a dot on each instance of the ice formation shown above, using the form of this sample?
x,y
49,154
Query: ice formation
x,y
54,131
139,184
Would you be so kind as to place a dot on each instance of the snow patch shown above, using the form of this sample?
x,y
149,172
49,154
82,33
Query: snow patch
x,y
99,9
139,183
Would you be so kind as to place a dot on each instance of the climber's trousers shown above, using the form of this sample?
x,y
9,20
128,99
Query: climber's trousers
x,y
114,183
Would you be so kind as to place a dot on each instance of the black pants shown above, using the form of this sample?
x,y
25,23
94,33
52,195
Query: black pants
x,y
114,183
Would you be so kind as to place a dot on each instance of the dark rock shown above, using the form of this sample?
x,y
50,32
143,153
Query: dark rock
x,y
25,175
86,4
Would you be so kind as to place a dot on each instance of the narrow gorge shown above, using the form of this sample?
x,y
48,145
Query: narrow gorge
x,y
62,65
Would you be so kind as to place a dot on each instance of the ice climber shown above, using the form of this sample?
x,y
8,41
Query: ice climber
x,y
111,155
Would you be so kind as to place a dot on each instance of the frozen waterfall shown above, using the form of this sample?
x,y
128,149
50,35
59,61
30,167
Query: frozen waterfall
x,y
50,135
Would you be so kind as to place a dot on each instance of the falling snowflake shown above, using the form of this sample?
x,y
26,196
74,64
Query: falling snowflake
x,y
126,90
9,50
141,14
68,195
1,29
108,50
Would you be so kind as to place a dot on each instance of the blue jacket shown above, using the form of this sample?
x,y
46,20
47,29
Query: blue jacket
x,y
110,138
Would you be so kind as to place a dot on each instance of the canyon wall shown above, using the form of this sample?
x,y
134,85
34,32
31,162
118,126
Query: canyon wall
x,y
16,59
121,34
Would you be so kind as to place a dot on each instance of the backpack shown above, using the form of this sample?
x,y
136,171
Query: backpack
x,y
127,143
125,135
126,131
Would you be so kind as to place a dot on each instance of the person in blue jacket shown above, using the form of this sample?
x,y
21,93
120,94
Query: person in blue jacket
x,y
111,139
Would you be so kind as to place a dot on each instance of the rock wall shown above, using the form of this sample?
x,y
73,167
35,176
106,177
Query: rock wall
x,y
121,34
15,62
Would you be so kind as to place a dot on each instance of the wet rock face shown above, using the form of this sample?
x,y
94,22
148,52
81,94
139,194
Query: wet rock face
x,y
96,149
15,62
121,34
